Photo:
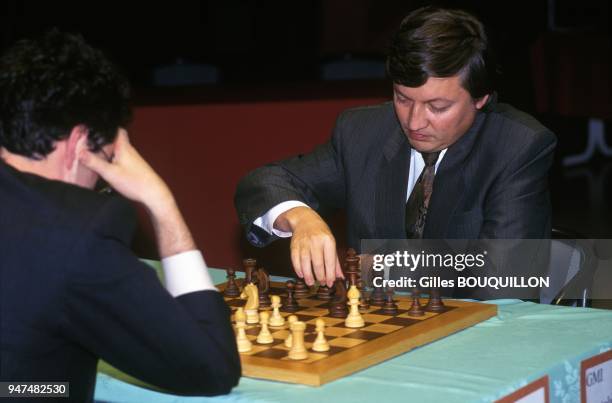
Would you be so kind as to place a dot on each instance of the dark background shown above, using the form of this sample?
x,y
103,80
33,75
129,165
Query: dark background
x,y
275,48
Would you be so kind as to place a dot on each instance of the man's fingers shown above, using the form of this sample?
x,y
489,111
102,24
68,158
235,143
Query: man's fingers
x,y
339,273
306,266
331,257
94,162
295,260
318,262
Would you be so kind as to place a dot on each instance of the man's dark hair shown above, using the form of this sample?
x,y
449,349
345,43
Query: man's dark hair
x,y
52,84
433,42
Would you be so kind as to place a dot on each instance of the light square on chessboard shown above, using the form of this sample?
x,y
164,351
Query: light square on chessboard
x,y
256,349
381,328
313,311
374,318
329,321
426,316
280,334
346,343
333,331
404,303
309,303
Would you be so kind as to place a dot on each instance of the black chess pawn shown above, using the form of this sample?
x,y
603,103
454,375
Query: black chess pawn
x,y
231,288
301,289
262,281
290,303
389,307
416,309
435,303
338,307
264,301
325,293
363,301
377,297
353,271
249,265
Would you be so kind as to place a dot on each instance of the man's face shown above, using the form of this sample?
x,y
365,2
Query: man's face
x,y
436,114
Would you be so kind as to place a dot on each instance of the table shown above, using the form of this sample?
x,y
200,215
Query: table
x,y
481,364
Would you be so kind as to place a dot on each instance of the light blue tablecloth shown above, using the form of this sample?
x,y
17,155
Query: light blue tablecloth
x,y
480,364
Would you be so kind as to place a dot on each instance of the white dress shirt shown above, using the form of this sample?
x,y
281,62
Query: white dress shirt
x,y
186,272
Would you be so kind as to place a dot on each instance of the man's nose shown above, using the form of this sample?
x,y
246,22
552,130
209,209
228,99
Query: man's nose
x,y
417,119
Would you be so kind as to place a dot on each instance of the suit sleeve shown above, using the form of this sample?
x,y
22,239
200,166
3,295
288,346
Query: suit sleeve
x,y
316,179
518,205
116,307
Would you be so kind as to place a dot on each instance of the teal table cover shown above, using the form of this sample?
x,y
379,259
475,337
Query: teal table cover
x,y
524,342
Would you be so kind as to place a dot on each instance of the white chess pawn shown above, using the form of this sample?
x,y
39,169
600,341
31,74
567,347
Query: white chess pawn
x,y
289,339
276,320
243,343
298,350
320,344
264,336
354,319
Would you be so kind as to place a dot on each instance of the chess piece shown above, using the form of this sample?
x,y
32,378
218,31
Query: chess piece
x,y
324,293
290,304
298,350
264,336
435,303
249,268
289,339
243,343
276,320
337,306
353,271
354,319
363,301
263,288
301,289
377,298
231,288
252,305
389,306
320,344
415,308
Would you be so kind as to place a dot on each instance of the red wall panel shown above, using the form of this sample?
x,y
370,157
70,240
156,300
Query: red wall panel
x,y
203,150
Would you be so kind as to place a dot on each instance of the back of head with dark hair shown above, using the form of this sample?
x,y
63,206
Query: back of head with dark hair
x,y
50,85
432,42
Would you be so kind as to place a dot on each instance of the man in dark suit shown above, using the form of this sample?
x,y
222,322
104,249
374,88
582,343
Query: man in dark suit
x,y
72,291
490,160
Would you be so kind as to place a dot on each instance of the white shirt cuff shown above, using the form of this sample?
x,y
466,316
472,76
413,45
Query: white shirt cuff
x,y
266,221
186,272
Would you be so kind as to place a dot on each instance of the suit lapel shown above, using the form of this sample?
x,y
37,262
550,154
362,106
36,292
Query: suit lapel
x,y
391,187
450,182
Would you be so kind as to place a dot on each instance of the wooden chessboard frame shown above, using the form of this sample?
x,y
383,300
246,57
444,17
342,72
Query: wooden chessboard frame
x,y
369,353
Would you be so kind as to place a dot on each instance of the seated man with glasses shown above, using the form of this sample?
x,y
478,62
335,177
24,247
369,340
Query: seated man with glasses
x,y
72,291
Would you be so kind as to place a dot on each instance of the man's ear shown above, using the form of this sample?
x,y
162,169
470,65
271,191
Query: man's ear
x,y
480,102
77,140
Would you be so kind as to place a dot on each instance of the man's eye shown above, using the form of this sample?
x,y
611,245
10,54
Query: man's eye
x,y
401,100
438,110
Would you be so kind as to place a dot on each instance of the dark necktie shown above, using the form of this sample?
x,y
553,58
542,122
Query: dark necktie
x,y
416,207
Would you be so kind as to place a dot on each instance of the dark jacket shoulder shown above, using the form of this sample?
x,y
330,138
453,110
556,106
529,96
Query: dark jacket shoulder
x,y
55,203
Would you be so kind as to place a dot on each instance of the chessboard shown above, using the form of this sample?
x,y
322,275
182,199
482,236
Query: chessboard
x,y
383,337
